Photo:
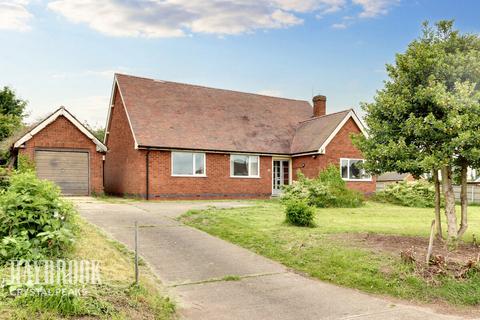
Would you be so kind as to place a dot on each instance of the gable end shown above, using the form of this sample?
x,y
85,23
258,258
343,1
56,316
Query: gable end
x,y
351,115
54,116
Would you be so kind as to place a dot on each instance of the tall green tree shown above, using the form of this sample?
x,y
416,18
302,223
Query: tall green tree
x,y
425,118
12,111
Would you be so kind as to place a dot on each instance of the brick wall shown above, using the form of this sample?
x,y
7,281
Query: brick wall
x,y
124,166
340,147
217,183
62,134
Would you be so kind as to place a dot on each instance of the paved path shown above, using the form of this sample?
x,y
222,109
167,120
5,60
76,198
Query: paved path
x,y
192,264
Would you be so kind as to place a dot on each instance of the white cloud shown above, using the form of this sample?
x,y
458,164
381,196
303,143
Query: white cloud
x,y
373,8
342,25
325,6
174,18
14,15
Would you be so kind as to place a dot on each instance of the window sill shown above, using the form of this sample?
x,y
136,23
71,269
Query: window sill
x,y
357,180
245,177
189,176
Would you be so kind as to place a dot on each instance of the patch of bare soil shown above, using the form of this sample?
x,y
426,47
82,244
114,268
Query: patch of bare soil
x,y
416,247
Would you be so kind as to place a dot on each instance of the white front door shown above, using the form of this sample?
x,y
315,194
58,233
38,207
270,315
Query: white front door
x,y
281,175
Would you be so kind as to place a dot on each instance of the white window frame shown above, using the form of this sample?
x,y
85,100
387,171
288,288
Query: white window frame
x,y
348,170
249,166
204,174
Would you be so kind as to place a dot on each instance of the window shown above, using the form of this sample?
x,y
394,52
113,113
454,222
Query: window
x,y
244,166
188,164
350,169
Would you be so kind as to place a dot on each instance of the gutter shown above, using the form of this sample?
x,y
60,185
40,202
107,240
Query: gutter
x,y
143,147
147,174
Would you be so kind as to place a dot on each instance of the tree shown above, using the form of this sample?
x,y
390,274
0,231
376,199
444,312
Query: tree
x,y
11,112
98,132
425,119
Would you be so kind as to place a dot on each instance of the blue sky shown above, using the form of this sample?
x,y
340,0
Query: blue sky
x,y
64,52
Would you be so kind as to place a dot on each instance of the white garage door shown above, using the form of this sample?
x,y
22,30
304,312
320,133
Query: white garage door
x,y
68,169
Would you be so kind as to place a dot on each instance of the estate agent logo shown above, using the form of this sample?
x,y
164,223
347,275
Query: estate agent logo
x,y
51,277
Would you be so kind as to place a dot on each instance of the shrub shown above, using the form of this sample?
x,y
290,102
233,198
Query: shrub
x,y
36,222
24,163
419,194
327,190
4,178
299,213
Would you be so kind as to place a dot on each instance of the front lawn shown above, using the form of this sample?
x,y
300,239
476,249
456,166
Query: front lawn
x,y
358,248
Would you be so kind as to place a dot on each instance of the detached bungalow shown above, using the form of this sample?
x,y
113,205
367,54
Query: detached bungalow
x,y
169,140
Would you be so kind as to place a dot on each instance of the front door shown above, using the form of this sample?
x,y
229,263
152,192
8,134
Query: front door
x,y
281,175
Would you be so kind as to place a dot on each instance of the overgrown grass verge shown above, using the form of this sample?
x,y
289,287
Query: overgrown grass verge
x,y
116,298
316,252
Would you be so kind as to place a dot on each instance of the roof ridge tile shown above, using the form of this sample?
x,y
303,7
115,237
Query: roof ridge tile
x,y
211,88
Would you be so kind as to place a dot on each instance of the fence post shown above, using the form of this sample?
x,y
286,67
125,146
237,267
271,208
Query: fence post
x,y
430,242
136,253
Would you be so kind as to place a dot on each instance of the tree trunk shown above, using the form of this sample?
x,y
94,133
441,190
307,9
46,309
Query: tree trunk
x,y
449,204
438,197
463,201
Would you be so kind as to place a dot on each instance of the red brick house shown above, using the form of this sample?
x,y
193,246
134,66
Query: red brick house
x,y
65,152
170,140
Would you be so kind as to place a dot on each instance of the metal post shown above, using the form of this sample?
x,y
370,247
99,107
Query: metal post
x,y
136,253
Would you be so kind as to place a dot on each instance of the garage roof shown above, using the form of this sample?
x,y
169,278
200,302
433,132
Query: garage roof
x,y
51,118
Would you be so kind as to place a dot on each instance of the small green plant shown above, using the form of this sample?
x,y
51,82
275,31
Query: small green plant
x,y
36,221
328,190
299,213
420,194
4,178
24,163
59,301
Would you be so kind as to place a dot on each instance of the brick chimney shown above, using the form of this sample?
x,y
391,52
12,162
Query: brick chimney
x,y
319,106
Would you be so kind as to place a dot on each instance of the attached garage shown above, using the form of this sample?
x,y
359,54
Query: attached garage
x,y
66,153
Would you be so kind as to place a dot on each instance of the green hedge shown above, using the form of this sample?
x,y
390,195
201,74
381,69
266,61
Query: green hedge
x,y
419,194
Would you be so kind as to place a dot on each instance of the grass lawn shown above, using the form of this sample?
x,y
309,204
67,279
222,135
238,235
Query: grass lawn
x,y
323,253
115,298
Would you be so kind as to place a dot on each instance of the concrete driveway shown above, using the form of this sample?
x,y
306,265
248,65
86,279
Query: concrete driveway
x,y
192,264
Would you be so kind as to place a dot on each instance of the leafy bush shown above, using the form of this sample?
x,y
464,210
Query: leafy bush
x,y
4,178
24,163
36,222
299,213
419,194
326,191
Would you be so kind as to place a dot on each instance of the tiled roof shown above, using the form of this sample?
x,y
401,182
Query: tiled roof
x,y
180,116
311,134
